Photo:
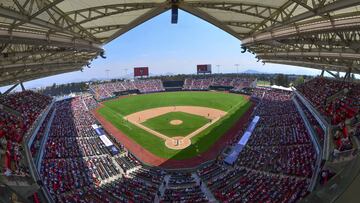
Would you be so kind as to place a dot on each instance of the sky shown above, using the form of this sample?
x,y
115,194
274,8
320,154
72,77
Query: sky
x,y
171,48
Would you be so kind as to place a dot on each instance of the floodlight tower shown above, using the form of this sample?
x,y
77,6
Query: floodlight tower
x,y
107,73
237,68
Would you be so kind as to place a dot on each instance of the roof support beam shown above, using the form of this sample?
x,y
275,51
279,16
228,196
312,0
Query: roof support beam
x,y
104,28
279,12
48,57
94,13
17,55
11,14
306,29
321,10
317,41
313,54
30,67
40,11
160,8
255,10
205,16
27,76
17,37
247,25
325,61
308,64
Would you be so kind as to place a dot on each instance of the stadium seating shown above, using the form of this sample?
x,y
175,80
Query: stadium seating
x,y
13,128
314,123
339,102
106,90
204,83
278,161
276,165
35,146
244,185
76,161
336,99
89,101
182,187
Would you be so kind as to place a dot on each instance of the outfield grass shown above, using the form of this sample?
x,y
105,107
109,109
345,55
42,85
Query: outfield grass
x,y
162,124
236,105
263,83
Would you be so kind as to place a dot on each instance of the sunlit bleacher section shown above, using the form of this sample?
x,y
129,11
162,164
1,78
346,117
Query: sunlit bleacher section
x,y
110,89
280,162
18,112
338,102
184,187
232,83
74,154
279,156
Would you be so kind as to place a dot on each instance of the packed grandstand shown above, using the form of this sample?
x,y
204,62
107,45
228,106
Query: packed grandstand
x,y
297,143
282,161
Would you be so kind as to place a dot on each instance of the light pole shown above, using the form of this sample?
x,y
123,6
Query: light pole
x,y
237,68
107,73
125,72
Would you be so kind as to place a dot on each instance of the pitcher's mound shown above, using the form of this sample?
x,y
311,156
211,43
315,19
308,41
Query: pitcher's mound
x,y
176,122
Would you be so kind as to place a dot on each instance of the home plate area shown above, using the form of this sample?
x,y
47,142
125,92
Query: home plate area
x,y
176,125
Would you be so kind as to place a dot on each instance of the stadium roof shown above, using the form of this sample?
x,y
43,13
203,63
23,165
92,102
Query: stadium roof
x,y
39,38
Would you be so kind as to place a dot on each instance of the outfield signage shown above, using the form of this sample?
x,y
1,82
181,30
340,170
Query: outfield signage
x,y
234,154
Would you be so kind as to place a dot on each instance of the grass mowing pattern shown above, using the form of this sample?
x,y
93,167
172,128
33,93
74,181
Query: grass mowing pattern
x,y
235,105
162,124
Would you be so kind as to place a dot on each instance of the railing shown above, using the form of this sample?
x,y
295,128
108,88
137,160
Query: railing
x,y
44,140
320,119
26,142
316,145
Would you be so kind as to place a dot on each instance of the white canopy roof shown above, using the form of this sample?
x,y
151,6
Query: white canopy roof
x,y
46,37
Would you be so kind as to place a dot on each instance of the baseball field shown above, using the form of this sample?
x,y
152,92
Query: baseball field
x,y
175,125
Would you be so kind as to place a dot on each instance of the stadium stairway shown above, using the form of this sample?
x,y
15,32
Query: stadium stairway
x,y
162,188
204,188
116,177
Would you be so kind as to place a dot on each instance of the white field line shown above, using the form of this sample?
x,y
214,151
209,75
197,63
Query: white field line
x,y
236,105
121,116
139,117
196,132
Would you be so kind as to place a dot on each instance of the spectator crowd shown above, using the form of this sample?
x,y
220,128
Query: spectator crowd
x,y
18,112
339,102
237,83
107,90
276,165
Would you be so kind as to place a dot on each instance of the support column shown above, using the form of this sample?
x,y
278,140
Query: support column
x,y
334,75
10,89
22,86
348,75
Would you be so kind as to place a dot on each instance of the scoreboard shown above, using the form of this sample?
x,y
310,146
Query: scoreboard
x,y
204,68
141,71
